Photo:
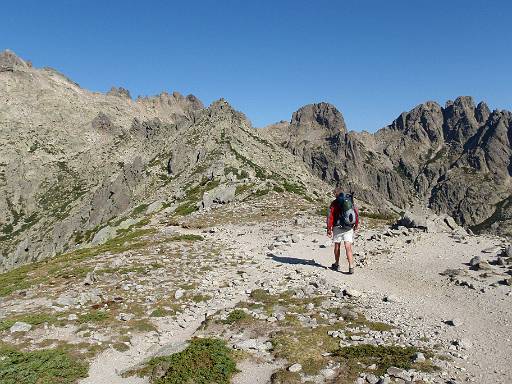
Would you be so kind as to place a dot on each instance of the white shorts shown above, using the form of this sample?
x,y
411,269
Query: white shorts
x,y
340,234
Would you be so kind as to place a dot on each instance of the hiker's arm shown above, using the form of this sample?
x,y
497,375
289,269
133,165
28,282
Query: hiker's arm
x,y
356,226
330,220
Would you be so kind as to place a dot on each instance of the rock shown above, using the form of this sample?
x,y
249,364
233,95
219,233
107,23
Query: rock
x,y
484,265
491,250
411,220
360,380
222,194
90,278
72,317
371,378
419,357
67,300
119,92
9,62
125,316
450,222
475,261
103,235
501,261
391,299
327,372
127,224
296,238
179,294
508,251
454,322
254,344
384,380
20,326
92,296
398,373
295,367
352,292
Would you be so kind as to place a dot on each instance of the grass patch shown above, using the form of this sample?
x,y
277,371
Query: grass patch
x,y
204,361
305,346
46,366
354,357
32,319
236,316
186,208
188,237
93,317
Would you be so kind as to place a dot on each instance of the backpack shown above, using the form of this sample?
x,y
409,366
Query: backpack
x,y
347,216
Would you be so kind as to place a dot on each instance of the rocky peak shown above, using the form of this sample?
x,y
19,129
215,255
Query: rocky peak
x,y
10,62
423,123
119,92
482,112
322,114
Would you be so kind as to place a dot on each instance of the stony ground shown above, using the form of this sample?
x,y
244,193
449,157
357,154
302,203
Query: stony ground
x,y
251,275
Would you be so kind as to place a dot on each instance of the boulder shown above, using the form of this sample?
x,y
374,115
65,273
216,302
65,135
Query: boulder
x,y
222,194
411,220
103,235
20,326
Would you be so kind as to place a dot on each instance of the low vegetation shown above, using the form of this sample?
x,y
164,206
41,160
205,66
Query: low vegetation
x,y
204,361
45,366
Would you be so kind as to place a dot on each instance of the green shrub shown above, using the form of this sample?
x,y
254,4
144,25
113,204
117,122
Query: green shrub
x,y
204,361
46,366
235,316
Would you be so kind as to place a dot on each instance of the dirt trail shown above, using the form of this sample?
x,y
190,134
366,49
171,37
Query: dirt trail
x,y
406,269
425,299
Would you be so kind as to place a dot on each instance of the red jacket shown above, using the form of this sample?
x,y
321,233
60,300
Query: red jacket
x,y
334,212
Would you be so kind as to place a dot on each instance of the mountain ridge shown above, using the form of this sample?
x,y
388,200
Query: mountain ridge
x,y
77,162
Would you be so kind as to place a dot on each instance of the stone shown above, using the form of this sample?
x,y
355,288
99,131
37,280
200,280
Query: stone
x,y
90,278
371,378
296,238
125,316
454,322
352,292
508,251
450,222
475,261
103,235
67,300
222,194
384,380
179,294
295,367
492,250
72,317
20,326
398,373
419,357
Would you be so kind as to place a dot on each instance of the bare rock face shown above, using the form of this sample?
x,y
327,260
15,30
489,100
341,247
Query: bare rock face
x,y
119,92
9,62
455,159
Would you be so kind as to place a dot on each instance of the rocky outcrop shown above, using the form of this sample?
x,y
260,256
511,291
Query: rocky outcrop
x,y
456,159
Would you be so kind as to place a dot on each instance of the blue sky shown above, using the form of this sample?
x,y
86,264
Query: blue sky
x,y
372,59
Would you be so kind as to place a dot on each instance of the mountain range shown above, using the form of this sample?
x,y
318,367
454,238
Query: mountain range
x,y
76,166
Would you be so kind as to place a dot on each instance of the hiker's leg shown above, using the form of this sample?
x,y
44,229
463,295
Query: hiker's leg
x,y
348,251
337,253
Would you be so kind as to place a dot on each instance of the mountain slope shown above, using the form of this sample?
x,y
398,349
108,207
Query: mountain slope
x,y
75,160
456,159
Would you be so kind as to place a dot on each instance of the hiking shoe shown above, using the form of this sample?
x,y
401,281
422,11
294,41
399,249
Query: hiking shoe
x,y
335,267
350,270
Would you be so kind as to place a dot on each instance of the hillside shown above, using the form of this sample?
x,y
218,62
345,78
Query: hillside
x,y
76,162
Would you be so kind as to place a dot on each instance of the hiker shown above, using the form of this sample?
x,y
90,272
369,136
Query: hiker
x,y
342,221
